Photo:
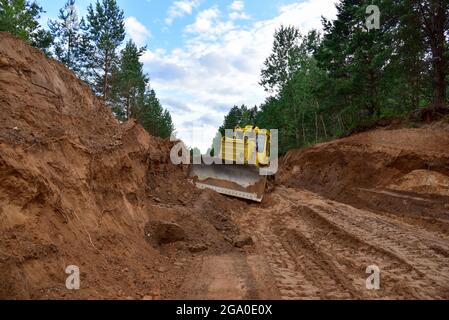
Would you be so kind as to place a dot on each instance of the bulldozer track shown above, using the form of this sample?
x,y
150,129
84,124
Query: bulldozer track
x,y
411,248
291,283
319,249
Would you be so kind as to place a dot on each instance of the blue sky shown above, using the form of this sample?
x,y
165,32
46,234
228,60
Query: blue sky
x,y
205,56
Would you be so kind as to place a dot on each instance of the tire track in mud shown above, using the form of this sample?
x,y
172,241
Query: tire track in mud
x,y
351,256
224,277
292,284
407,256
300,271
317,248
316,266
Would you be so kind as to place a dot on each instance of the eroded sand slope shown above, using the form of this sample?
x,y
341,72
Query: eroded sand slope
x,y
79,188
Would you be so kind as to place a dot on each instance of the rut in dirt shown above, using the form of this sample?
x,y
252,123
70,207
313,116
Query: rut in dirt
x,y
320,249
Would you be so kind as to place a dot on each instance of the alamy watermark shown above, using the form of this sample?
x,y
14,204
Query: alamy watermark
x,y
373,19
73,280
373,280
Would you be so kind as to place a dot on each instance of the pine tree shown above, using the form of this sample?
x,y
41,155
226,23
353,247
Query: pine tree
x,y
20,18
300,98
105,29
166,127
282,63
356,57
153,117
66,33
86,68
43,40
408,70
128,82
434,19
131,96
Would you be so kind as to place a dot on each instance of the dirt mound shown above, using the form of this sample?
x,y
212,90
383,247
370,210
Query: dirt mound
x,y
423,181
77,188
368,160
402,172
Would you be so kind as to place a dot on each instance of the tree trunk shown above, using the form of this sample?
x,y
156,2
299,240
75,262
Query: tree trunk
x,y
69,52
128,108
324,127
434,16
297,132
372,89
297,136
105,76
304,129
439,76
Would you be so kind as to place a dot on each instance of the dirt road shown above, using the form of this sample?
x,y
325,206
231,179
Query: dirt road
x,y
79,188
309,247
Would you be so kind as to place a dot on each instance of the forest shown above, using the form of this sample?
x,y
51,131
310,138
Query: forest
x,y
324,85
93,47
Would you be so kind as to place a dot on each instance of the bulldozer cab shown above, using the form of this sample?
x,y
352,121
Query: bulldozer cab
x,y
249,145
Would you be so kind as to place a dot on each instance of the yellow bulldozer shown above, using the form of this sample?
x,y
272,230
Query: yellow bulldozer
x,y
237,171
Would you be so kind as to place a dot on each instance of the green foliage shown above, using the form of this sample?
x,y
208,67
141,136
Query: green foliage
x,y
90,48
239,116
67,37
153,117
131,98
20,18
104,32
42,39
194,152
433,20
128,82
282,63
323,86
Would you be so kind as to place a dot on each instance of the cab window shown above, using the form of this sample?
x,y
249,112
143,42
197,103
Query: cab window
x,y
260,142
239,134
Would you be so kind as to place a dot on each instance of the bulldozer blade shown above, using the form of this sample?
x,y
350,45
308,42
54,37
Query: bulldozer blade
x,y
241,181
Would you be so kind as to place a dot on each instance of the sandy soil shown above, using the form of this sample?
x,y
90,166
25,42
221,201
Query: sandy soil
x,y
79,188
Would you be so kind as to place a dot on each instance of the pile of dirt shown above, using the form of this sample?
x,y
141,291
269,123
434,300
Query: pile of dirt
x,y
78,188
423,181
372,160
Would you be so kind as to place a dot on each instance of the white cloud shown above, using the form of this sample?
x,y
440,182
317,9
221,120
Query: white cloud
x,y
238,16
179,9
204,21
219,65
209,24
237,11
237,5
136,31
